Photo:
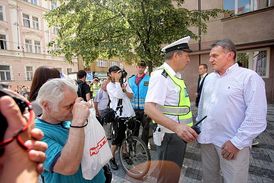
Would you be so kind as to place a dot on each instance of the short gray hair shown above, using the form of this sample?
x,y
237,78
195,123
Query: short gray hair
x,y
169,55
53,91
226,44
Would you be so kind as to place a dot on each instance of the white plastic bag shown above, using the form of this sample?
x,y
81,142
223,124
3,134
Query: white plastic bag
x,y
96,152
158,136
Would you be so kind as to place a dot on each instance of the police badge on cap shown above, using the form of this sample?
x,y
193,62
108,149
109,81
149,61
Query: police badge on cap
x,y
181,44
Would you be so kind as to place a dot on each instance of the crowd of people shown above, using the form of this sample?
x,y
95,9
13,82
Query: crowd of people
x,y
231,100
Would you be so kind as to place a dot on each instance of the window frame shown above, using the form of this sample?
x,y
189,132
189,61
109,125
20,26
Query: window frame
x,y
5,73
2,13
37,48
250,62
35,2
4,42
251,4
28,46
26,21
28,74
35,23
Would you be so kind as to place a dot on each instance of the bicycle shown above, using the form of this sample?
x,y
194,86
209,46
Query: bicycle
x,y
133,154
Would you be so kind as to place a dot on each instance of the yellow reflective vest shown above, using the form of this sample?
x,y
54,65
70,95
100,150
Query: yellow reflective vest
x,y
182,109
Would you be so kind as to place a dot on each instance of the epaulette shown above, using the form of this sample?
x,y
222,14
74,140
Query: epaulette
x,y
164,73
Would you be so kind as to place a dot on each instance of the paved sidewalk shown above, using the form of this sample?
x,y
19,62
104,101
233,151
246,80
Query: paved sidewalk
x,y
261,160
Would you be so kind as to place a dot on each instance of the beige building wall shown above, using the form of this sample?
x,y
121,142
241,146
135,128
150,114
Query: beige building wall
x,y
251,31
16,54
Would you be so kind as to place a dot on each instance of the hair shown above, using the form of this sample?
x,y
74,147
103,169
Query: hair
x,y
170,54
81,74
53,91
226,44
42,74
204,65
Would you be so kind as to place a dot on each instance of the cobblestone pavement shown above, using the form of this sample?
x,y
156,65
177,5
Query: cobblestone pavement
x,y
261,168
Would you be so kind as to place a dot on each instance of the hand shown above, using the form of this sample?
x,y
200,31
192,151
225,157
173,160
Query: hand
x,y
229,151
80,112
186,133
124,86
37,148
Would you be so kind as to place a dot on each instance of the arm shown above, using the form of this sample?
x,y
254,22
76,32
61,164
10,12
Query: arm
x,y
71,155
96,108
255,115
183,131
159,83
115,90
128,91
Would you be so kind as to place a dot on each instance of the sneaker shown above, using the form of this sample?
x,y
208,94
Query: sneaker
x,y
113,164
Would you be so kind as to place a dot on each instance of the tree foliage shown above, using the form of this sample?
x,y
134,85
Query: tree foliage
x,y
129,29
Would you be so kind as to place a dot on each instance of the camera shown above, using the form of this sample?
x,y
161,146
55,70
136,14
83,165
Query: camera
x,y
123,76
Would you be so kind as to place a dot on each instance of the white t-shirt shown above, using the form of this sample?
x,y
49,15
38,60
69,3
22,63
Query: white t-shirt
x,y
115,93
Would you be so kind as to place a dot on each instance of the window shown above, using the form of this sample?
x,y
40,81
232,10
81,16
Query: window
x,y
28,44
1,13
113,63
26,21
55,30
69,70
35,23
29,73
257,60
244,6
5,72
101,63
34,2
37,47
3,42
53,4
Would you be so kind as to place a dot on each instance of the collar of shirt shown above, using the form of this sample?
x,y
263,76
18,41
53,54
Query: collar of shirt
x,y
203,75
171,71
229,70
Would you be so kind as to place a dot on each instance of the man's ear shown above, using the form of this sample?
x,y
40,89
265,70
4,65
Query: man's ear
x,y
46,106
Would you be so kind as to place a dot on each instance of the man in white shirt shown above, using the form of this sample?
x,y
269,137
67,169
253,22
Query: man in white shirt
x,y
167,103
119,95
234,100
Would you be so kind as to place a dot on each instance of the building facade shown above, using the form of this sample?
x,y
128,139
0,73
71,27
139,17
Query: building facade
x,y
249,24
24,39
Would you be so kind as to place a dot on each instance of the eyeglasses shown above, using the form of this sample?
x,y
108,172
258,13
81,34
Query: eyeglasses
x,y
23,106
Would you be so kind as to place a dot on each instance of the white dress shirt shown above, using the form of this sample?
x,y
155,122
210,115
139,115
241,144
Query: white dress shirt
x,y
115,93
162,91
235,106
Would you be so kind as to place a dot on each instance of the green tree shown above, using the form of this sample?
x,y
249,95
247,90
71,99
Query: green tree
x,y
129,29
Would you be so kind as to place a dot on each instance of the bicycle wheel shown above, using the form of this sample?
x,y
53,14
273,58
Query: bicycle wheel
x,y
134,157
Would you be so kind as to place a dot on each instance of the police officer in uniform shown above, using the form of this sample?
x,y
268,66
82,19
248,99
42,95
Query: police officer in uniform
x,y
167,103
139,85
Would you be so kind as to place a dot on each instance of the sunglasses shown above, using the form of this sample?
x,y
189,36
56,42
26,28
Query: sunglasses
x,y
24,106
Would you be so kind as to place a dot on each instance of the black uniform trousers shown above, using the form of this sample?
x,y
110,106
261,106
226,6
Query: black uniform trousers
x,y
171,156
